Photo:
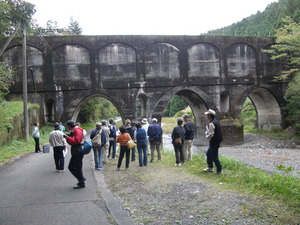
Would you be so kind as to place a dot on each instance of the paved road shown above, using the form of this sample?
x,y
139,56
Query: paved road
x,y
33,193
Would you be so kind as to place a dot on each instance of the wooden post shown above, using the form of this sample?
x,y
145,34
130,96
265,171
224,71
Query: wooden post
x,y
25,105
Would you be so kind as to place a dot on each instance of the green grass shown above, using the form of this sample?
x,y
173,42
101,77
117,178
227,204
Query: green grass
x,y
21,147
246,180
168,124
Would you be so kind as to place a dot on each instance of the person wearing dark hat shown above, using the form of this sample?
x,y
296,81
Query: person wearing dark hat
x,y
214,134
75,165
106,131
130,130
189,137
59,144
98,148
178,141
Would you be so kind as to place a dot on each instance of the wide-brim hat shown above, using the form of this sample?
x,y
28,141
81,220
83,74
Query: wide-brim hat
x,y
144,120
210,112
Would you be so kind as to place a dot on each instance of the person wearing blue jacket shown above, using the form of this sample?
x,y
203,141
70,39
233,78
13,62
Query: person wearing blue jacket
x,y
155,134
140,135
98,149
112,139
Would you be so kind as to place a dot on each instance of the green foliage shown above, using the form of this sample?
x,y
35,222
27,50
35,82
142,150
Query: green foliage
x,y
264,23
97,109
13,12
248,113
6,75
293,104
287,47
51,29
22,147
285,169
174,105
74,27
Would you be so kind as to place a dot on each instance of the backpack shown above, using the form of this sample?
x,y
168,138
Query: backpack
x,y
86,147
96,141
111,130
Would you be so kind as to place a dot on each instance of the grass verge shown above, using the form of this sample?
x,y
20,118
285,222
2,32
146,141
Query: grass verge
x,y
246,180
19,148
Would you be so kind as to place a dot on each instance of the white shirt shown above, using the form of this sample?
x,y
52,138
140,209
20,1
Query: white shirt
x,y
210,131
56,138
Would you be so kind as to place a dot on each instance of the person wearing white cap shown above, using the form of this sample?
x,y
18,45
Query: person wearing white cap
x,y
214,134
145,124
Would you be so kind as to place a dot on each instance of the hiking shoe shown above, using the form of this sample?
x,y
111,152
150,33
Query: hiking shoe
x,y
208,170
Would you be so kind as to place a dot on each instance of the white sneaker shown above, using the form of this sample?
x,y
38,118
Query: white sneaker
x,y
178,164
208,170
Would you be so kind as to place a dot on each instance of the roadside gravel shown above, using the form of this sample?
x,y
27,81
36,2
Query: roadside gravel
x,y
159,194
266,153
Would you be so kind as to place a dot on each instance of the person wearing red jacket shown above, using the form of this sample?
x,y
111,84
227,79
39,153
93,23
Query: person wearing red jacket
x,y
75,139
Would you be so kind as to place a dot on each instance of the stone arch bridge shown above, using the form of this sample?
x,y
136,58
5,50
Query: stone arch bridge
x,y
207,71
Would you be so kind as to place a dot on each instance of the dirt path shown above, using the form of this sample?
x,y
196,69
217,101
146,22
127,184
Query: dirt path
x,y
159,194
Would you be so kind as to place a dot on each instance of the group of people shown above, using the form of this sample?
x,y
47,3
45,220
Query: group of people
x,y
183,136
142,133
105,137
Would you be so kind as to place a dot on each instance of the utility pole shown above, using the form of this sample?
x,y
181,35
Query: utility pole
x,y
25,106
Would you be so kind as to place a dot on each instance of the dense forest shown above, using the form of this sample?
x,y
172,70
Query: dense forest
x,y
263,24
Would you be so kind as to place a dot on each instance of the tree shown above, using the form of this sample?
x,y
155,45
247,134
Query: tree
x,y
74,27
174,105
97,109
6,75
287,47
13,14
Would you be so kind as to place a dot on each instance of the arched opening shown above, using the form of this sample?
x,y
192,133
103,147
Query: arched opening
x,y
95,108
248,115
262,110
224,102
194,105
141,106
49,111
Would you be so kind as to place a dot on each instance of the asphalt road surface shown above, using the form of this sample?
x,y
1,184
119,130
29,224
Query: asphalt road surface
x,y
33,193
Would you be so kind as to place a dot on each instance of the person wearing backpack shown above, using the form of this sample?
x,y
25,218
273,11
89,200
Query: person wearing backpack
x,y
112,139
98,140
75,165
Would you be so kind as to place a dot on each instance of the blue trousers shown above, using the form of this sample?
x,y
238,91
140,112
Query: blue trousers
x,y
143,154
113,147
98,156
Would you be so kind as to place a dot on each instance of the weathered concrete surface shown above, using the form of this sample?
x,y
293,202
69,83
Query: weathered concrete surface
x,y
208,72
